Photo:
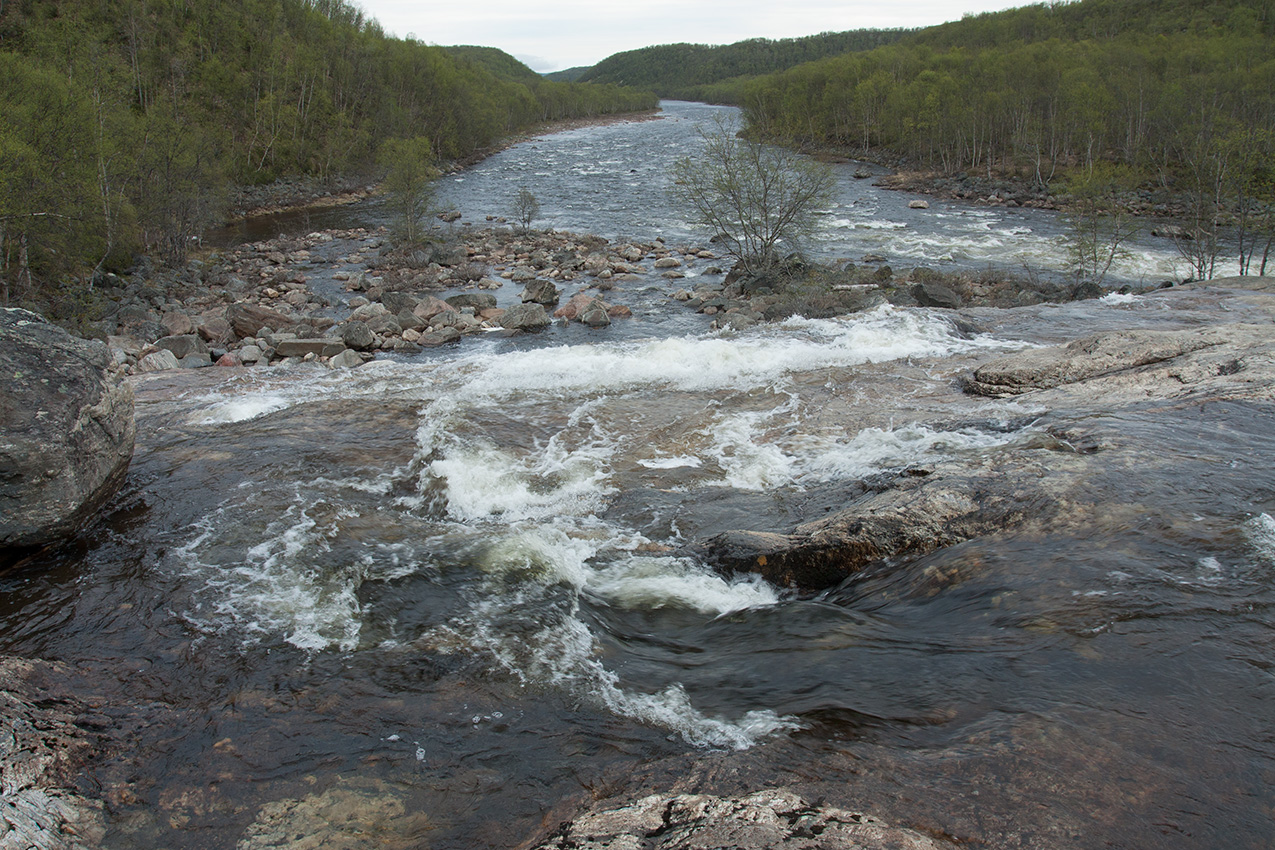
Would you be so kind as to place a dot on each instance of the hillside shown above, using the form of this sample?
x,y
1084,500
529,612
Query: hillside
x,y
1147,94
126,122
688,71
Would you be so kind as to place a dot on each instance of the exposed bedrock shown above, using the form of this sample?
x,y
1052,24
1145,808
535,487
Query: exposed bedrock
x,y
1039,484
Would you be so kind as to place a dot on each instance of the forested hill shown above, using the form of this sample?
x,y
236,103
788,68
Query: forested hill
x,y
495,60
690,71
124,122
1167,90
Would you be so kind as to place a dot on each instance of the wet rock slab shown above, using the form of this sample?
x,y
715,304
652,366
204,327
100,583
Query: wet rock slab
x,y
1038,484
757,821
42,752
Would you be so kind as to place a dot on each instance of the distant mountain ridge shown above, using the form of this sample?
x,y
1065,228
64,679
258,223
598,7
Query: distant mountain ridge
x,y
687,71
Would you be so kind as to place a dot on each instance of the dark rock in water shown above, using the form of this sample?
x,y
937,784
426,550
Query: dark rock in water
x,y
358,335
920,514
541,292
183,345
66,429
525,317
439,337
1038,485
774,818
399,302
477,300
302,347
43,755
247,320
1086,291
931,294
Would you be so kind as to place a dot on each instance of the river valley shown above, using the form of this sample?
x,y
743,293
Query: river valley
x,y
451,600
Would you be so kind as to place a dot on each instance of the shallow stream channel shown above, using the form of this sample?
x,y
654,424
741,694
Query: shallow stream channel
x,y
445,601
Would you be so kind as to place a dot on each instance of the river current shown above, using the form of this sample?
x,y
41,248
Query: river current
x,y
425,602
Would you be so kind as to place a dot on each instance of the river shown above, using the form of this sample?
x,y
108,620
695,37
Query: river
x,y
423,603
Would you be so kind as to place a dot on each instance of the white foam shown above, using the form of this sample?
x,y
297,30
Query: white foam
x,y
676,462
666,582
742,361
564,655
486,483
276,587
241,409
875,449
748,463
1118,298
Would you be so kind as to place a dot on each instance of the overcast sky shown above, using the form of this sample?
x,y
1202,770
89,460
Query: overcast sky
x,y
550,35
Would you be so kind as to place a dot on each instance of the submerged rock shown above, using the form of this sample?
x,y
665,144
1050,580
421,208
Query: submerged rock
x,y
759,821
66,429
359,814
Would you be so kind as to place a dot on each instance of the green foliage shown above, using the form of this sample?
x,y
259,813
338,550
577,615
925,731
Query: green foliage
x,y
526,208
495,60
693,71
755,197
126,122
409,182
1154,86
1098,227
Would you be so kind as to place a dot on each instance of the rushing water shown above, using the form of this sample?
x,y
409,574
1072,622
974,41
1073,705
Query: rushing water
x,y
448,594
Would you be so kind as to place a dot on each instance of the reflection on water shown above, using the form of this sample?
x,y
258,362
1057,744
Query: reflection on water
x,y
452,593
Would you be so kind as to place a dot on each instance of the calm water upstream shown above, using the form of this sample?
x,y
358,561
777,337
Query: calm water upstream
x,y
450,593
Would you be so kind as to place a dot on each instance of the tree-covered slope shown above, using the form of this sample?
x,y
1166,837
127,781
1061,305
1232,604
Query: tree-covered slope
x,y
685,70
1158,86
495,60
126,121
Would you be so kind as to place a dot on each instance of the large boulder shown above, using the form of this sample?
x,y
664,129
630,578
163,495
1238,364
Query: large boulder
x,y
66,429
247,320
477,300
525,317
541,292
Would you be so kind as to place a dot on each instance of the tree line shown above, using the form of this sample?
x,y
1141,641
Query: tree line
x,y
698,71
126,122
1154,93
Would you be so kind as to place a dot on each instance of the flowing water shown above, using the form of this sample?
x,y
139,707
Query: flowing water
x,y
449,593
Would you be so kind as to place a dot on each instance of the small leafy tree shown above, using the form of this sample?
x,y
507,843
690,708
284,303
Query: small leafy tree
x,y
526,208
754,196
1098,228
409,182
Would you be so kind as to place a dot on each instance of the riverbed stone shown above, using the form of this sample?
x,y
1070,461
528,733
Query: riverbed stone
x,y
182,345
249,319
763,820
542,292
158,361
929,293
302,347
476,300
348,359
352,814
358,335
66,429
438,336
525,317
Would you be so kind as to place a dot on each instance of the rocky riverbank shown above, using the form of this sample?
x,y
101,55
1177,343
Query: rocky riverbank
x,y
339,297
